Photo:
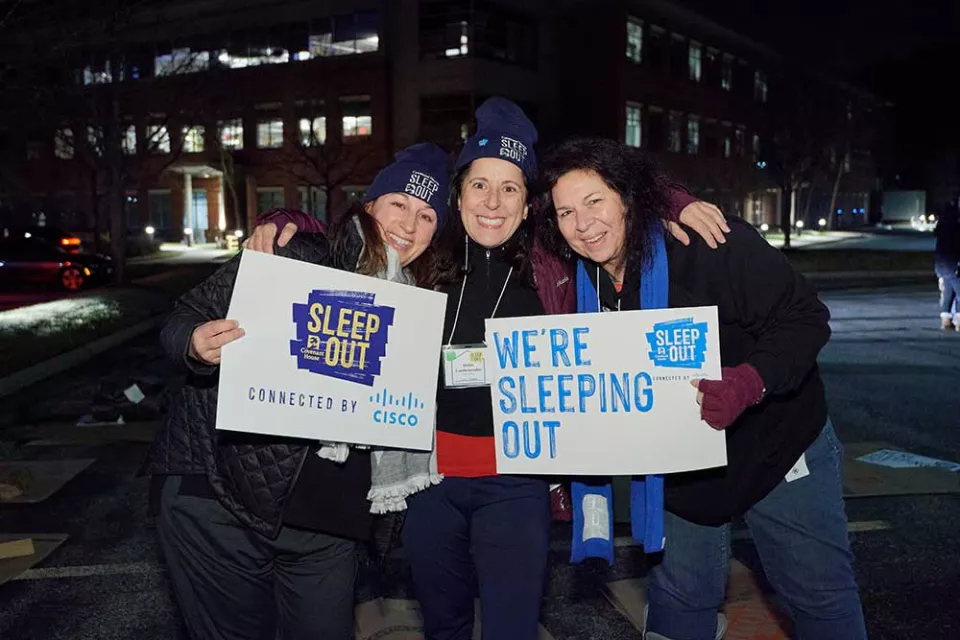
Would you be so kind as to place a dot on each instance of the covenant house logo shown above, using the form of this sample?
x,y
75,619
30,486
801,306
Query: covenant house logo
x,y
341,334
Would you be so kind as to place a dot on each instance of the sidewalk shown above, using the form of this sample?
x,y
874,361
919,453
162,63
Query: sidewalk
x,y
811,238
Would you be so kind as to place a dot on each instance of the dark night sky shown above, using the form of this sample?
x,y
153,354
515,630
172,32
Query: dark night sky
x,y
846,36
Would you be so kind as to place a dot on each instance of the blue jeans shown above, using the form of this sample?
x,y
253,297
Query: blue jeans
x,y
950,292
800,530
488,532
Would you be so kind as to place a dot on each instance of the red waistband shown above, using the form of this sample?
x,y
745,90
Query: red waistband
x,y
466,456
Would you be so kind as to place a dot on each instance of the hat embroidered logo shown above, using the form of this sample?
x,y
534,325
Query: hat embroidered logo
x,y
512,149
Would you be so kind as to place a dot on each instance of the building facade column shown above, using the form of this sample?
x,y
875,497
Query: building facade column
x,y
188,224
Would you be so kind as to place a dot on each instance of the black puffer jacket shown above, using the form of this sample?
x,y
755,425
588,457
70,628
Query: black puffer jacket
x,y
250,475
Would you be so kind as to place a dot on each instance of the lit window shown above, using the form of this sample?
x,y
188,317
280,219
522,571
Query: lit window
x,y
727,145
634,129
693,135
270,134
180,61
760,86
345,34
97,73
464,43
368,38
674,122
695,61
313,131
193,139
129,142
231,134
357,119
63,144
320,39
158,139
634,40
756,147
95,140
726,72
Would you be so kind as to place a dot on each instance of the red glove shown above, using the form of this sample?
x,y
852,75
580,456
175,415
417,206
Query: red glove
x,y
724,400
560,504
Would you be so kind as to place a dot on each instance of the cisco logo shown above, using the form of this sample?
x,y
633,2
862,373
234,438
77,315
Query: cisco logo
x,y
401,409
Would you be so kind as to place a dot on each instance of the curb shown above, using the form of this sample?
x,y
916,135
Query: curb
x,y
58,364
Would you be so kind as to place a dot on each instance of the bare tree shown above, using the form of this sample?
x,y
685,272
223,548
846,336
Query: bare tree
x,y
799,132
326,165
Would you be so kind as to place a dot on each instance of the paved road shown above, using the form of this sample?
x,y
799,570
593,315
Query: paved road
x,y
138,267
891,374
906,241
176,254
874,240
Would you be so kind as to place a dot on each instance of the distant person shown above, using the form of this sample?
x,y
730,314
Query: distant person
x,y
947,263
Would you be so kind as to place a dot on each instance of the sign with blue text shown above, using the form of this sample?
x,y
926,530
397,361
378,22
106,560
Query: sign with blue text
x,y
330,356
604,393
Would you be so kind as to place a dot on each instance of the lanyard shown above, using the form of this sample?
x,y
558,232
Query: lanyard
x,y
463,286
599,306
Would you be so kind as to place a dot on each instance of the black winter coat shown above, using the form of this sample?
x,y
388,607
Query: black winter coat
x,y
770,317
250,475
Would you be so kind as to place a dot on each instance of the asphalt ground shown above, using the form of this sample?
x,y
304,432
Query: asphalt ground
x,y
891,376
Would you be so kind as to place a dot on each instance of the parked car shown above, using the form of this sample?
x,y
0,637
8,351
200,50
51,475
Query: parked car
x,y
51,235
26,258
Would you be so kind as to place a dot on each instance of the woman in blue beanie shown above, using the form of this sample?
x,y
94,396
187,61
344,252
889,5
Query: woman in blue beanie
x,y
260,533
603,204
477,530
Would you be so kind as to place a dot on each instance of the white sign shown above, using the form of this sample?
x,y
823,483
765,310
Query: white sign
x,y
330,355
604,393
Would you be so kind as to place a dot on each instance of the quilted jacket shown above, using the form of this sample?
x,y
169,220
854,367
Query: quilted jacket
x,y
250,475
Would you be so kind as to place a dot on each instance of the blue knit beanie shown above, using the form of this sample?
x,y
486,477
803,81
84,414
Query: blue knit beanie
x,y
421,171
503,131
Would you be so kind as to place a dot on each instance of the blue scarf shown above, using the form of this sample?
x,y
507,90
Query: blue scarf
x,y
646,494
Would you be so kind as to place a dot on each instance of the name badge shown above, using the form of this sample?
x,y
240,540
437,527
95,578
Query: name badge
x,y
465,365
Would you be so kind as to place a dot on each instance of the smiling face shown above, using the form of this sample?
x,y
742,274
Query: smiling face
x,y
590,216
493,201
406,223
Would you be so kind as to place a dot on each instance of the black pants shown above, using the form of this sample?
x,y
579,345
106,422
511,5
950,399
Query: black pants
x,y
234,584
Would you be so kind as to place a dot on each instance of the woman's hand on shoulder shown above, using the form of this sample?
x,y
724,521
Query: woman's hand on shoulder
x,y
704,218
264,235
208,339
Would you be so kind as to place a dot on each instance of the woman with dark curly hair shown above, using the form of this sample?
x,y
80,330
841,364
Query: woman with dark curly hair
x,y
603,204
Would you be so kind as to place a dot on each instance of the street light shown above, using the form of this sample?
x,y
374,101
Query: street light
x,y
150,231
188,236
764,227
238,233
823,223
